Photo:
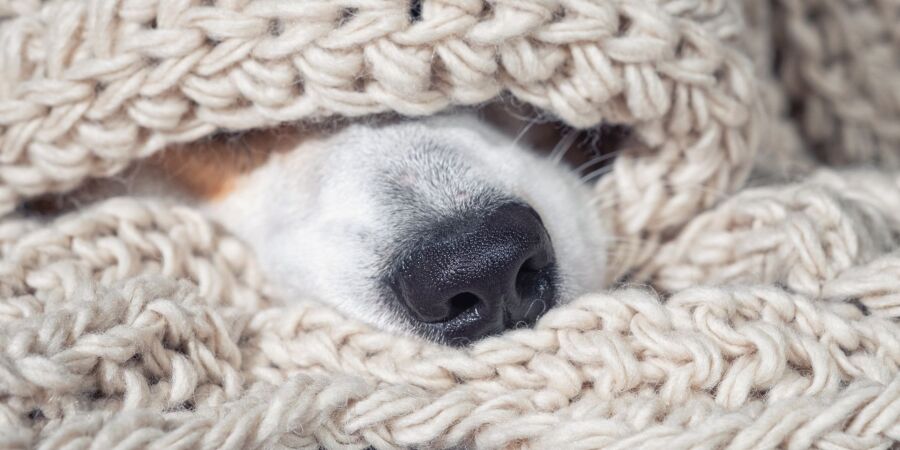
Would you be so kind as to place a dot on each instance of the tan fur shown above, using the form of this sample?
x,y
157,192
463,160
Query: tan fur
x,y
211,169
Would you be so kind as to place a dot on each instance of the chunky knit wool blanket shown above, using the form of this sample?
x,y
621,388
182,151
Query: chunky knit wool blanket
x,y
744,314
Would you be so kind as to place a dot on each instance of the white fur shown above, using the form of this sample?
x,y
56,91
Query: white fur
x,y
322,227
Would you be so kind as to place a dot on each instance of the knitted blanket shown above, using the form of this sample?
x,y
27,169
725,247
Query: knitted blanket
x,y
743,315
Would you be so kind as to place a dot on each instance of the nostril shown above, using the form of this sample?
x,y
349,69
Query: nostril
x,y
459,304
476,276
525,276
535,278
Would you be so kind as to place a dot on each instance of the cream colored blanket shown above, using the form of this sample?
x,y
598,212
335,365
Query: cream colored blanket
x,y
752,317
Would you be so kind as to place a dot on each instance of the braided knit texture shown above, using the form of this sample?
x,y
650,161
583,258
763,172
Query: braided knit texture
x,y
754,317
841,72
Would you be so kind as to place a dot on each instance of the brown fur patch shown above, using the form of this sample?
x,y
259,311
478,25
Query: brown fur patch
x,y
212,168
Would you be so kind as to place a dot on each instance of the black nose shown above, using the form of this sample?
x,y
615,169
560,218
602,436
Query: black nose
x,y
467,279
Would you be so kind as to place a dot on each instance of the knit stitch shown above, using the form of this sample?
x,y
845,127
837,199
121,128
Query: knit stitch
x,y
752,317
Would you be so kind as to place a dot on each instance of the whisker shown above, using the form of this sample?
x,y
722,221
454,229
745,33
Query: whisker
x,y
595,160
719,194
524,131
562,147
624,239
591,176
521,115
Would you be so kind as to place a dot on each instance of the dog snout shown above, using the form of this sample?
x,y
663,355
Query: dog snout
x,y
478,276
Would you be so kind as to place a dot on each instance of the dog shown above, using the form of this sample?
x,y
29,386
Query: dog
x,y
452,227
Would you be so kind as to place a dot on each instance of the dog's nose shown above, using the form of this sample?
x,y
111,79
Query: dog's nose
x,y
471,278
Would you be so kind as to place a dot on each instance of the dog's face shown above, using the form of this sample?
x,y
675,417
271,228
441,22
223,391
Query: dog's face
x,y
442,227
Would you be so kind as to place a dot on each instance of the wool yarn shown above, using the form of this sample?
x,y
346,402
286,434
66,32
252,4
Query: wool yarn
x,y
88,87
841,73
765,317
136,357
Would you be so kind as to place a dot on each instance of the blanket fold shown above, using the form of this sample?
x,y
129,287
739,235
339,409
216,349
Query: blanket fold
x,y
755,315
